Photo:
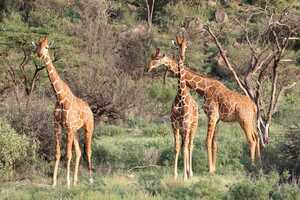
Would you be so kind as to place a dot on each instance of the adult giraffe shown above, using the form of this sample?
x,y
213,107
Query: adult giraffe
x,y
220,103
70,112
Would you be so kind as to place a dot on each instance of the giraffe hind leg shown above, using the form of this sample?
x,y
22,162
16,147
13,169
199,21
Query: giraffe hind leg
x,y
214,149
88,148
191,146
209,141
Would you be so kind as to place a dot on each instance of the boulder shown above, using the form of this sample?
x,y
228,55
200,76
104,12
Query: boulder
x,y
137,31
221,16
193,25
212,3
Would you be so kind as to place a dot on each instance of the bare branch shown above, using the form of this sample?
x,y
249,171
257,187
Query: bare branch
x,y
223,55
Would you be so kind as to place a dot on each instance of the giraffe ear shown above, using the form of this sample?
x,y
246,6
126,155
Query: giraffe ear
x,y
179,40
156,54
174,45
33,44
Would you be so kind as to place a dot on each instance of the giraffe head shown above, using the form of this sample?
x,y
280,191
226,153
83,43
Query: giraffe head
x,y
41,48
156,60
182,45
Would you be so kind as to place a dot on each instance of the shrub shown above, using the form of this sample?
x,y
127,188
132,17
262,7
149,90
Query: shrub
x,y
291,192
15,150
256,190
137,122
157,130
151,182
34,120
109,130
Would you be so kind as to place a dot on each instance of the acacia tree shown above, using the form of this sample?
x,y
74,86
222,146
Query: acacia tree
x,y
264,81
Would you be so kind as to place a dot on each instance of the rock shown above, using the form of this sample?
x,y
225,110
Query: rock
x,y
236,45
132,7
211,3
137,31
220,67
221,16
193,25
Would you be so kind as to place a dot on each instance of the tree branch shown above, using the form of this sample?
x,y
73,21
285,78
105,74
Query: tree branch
x,y
223,55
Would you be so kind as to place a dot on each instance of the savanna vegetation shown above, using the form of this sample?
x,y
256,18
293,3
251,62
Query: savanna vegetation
x,y
101,48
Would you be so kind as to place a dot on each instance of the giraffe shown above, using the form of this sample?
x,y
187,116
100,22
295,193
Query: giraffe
x,y
220,103
184,118
71,113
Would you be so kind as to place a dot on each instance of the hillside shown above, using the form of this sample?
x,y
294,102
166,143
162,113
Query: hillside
x,y
101,49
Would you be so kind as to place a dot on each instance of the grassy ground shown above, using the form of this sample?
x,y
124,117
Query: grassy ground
x,y
132,165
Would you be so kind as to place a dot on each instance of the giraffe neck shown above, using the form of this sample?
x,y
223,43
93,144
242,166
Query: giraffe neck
x,y
59,86
193,80
182,88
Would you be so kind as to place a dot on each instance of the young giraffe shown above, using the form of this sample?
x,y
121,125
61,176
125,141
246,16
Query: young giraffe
x,y
70,112
184,118
220,103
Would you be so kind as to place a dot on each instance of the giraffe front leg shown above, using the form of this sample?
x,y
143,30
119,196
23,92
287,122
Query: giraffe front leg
x,y
214,149
70,138
78,156
177,150
185,155
57,130
251,138
191,146
258,155
210,133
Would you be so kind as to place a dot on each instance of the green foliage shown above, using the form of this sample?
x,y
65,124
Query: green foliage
x,y
162,93
15,150
157,130
108,130
161,96
151,182
134,159
130,150
286,191
179,12
248,190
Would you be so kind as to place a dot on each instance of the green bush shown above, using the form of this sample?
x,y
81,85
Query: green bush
x,y
157,130
291,192
15,150
127,152
109,130
253,189
162,93
151,182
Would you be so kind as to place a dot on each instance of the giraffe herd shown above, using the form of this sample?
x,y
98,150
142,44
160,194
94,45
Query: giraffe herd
x,y
220,103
